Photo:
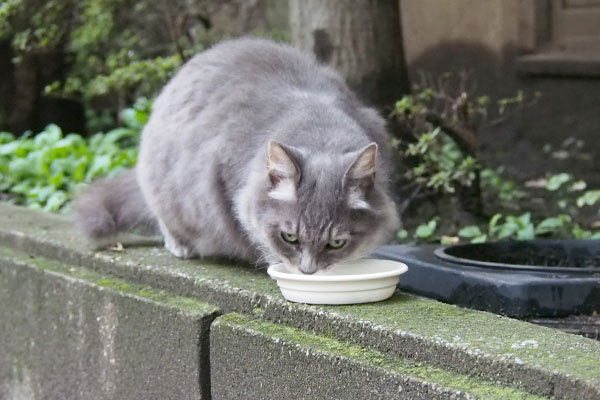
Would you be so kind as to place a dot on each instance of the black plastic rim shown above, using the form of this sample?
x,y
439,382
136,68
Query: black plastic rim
x,y
571,245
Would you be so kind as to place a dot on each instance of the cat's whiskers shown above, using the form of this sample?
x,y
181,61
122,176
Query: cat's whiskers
x,y
266,254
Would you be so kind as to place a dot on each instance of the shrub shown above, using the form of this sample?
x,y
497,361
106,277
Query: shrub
x,y
446,182
103,53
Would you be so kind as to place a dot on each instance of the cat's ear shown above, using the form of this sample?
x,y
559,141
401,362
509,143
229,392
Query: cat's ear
x,y
360,177
283,171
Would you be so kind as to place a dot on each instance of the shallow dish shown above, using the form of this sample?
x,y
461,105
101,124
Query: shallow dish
x,y
359,281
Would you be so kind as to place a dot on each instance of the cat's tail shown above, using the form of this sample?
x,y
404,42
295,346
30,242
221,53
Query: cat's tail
x,y
113,205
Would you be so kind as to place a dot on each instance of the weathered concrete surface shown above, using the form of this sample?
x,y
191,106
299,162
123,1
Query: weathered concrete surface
x,y
541,360
67,333
251,359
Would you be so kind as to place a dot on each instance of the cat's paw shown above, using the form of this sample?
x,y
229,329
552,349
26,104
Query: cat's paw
x,y
178,250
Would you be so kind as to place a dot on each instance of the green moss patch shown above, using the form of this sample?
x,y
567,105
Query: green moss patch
x,y
482,333
330,347
147,293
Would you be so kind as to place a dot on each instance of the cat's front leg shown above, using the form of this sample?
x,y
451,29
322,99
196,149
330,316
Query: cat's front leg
x,y
174,246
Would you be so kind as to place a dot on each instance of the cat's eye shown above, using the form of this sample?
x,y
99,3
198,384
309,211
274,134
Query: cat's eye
x,y
336,243
289,237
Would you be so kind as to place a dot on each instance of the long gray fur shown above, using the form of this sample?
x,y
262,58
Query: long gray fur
x,y
202,170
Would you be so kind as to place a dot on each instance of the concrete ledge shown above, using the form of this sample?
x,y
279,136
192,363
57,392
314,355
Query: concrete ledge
x,y
559,64
252,359
539,360
67,333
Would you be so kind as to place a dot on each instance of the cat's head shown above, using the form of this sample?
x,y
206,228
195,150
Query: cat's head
x,y
318,209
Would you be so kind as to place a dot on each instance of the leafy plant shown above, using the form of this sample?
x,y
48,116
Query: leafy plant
x,y
45,171
503,227
446,181
439,127
562,189
494,183
473,233
442,164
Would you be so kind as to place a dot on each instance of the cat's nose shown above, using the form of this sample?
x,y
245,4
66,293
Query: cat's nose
x,y
308,267
309,272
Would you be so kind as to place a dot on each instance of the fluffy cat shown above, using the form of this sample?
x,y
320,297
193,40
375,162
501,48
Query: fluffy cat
x,y
255,151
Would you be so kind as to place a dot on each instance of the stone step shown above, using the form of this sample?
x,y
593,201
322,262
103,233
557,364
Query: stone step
x,y
253,359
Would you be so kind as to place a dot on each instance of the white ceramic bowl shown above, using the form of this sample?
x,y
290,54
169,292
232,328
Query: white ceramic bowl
x,y
359,281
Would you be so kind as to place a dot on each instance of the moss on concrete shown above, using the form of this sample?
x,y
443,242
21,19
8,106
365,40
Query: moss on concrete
x,y
147,293
317,344
481,333
55,237
549,361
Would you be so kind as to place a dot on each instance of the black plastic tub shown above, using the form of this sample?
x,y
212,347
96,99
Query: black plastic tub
x,y
539,278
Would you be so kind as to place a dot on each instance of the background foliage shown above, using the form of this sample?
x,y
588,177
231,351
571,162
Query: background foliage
x,y
47,170
105,54
450,195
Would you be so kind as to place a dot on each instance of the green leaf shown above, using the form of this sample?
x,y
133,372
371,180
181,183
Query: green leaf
x,y
549,225
56,201
402,234
22,188
41,192
526,233
9,148
525,219
556,181
425,231
405,104
493,221
6,137
48,137
579,233
470,231
507,229
99,167
36,161
133,118
479,239
114,136
57,179
72,143
19,168
589,198
578,186
78,171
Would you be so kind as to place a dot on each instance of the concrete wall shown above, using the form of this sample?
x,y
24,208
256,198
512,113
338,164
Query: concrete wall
x,y
81,335
471,35
140,324
426,23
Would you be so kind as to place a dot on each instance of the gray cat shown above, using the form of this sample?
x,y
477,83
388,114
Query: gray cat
x,y
255,151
